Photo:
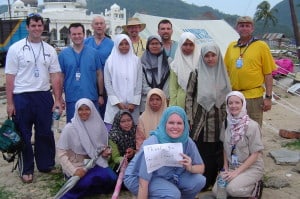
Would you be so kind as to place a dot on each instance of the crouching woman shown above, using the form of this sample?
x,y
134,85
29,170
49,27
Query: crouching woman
x,y
168,181
80,140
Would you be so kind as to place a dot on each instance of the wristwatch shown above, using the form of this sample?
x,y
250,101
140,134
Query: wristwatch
x,y
268,96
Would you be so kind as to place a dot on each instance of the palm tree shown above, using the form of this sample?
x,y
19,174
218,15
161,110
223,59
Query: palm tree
x,y
295,27
265,13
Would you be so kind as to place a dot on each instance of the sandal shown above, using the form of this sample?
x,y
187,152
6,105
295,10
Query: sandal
x,y
27,178
289,134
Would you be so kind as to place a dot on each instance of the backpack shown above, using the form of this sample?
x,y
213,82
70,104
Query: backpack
x,y
10,140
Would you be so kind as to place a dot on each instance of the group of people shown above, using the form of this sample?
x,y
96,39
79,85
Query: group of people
x,y
116,98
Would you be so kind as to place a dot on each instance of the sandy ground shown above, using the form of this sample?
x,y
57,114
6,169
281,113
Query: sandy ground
x,y
285,114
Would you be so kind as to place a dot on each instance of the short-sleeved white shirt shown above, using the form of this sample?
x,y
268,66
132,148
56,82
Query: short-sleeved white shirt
x,y
24,59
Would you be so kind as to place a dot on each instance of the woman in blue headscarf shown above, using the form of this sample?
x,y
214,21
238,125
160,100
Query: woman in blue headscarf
x,y
168,181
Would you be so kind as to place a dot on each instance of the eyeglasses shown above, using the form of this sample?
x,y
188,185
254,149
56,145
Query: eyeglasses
x,y
34,15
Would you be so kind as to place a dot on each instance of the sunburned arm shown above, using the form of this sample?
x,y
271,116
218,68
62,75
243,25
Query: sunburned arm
x,y
229,175
143,189
9,94
187,163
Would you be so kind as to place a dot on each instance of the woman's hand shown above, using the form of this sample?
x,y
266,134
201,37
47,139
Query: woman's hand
x,y
230,175
106,152
186,162
121,106
80,172
131,107
129,153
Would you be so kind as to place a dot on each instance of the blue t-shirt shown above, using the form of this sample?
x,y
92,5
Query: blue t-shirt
x,y
104,48
137,166
86,64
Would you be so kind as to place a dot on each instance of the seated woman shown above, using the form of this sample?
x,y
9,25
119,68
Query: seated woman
x,y
156,103
122,138
243,147
168,181
80,139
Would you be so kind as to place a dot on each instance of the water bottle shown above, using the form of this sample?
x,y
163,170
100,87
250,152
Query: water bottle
x,y
221,186
13,136
55,119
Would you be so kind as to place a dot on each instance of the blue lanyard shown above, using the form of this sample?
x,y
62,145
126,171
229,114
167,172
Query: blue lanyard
x,y
78,61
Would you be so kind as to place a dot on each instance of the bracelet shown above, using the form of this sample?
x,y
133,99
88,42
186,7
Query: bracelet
x,y
100,95
191,170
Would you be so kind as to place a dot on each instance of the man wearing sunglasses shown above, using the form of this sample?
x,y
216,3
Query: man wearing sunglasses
x,y
30,64
250,64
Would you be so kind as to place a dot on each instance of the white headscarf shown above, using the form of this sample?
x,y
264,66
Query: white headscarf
x,y
85,137
183,64
213,83
123,69
237,124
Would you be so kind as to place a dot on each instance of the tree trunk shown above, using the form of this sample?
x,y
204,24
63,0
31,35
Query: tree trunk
x,y
295,27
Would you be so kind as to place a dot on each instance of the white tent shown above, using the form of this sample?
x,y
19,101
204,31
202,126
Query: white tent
x,y
218,31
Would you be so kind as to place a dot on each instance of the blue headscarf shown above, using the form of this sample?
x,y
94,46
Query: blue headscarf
x,y
161,132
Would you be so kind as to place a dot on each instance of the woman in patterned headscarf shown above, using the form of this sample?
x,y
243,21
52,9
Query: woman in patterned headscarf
x,y
155,67
243,162
79,140
122,138
205,107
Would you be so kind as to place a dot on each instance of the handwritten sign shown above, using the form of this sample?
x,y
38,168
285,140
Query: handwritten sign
x,y
159,155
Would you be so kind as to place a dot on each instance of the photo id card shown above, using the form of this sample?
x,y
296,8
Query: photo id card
x,y
239,62
77,76
36,73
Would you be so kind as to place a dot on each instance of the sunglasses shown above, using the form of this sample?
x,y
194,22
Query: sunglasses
x,y
34,15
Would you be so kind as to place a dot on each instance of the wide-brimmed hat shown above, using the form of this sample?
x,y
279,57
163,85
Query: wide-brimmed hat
x,y
134,22
244,19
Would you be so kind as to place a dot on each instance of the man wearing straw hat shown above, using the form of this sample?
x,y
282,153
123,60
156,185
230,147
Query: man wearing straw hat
x,y
133,28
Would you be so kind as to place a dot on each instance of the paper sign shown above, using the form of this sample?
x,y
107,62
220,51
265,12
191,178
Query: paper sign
x,y
159,155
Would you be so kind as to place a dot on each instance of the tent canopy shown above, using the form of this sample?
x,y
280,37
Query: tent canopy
x,y
218,31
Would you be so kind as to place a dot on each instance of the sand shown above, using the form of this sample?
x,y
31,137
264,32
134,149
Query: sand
x,y
285,114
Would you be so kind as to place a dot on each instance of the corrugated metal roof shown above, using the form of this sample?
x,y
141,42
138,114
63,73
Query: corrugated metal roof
x,y
218,31
273,36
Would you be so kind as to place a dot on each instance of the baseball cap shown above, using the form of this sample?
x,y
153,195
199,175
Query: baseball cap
x,y
244,19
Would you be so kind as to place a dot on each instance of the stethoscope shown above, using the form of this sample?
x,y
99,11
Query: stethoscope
x,y
28,47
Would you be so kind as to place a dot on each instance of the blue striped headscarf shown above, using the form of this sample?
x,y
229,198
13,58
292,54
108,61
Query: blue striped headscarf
x,y
161,132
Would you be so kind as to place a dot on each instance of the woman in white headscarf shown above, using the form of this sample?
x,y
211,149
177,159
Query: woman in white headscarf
x,y
123,80
205,107
186,60
243,162
81,139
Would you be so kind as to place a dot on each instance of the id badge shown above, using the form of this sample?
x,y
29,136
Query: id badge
x,y
36,73
77,76
234,160
239,62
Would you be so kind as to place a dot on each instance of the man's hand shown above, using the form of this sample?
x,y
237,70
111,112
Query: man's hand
x,y
267,104
10,109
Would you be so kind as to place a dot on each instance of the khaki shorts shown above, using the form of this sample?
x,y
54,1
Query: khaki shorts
x,y
254,109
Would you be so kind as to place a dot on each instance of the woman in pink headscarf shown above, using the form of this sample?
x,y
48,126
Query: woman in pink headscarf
x,y
243,162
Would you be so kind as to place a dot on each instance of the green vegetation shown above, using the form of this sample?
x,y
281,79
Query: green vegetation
x,y
5,194
293,145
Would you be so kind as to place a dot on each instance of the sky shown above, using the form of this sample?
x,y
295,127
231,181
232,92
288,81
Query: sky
x,y
238,7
